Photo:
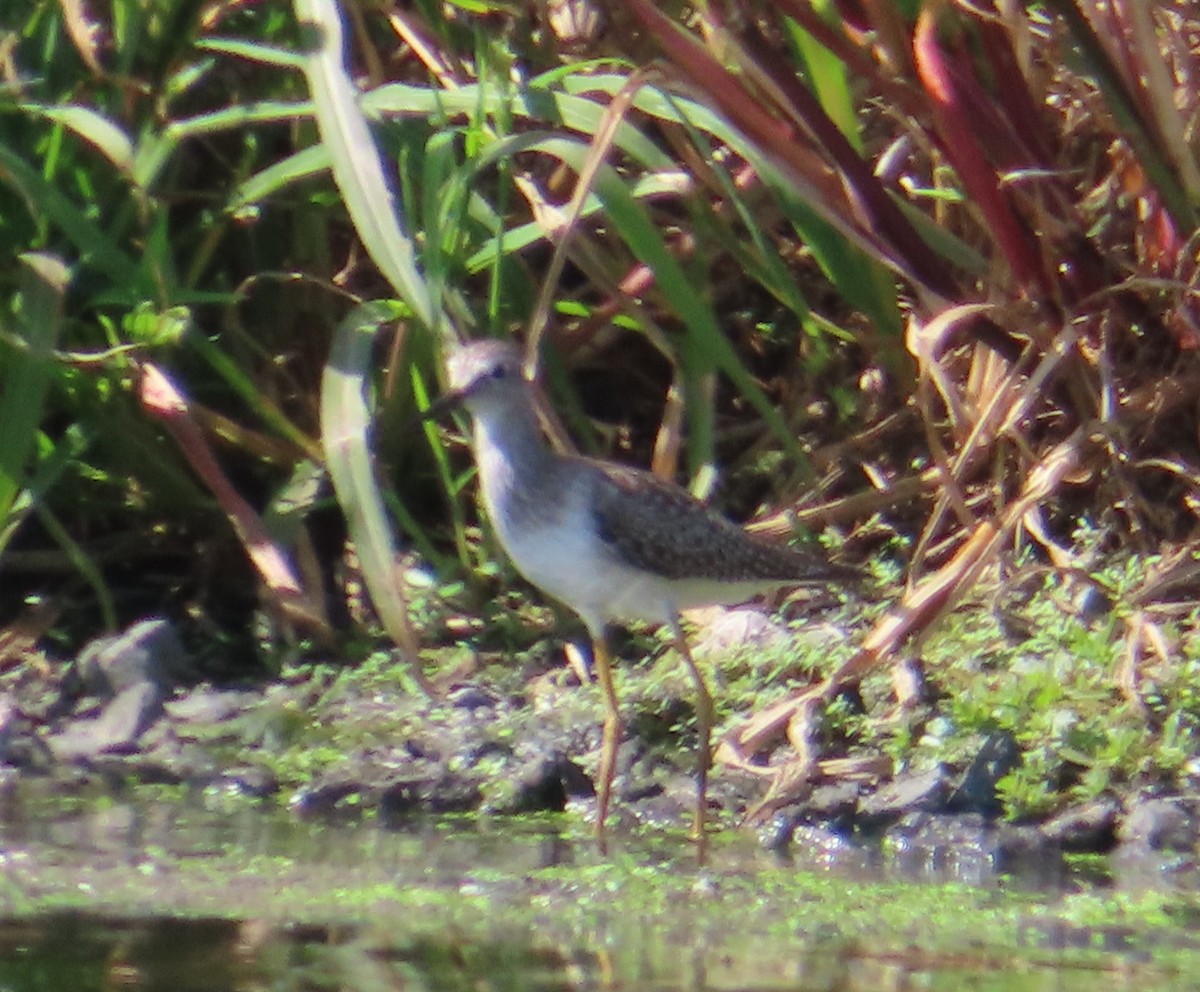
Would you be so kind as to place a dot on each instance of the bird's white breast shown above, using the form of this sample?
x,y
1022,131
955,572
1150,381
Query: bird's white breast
x,y
546,524
560,553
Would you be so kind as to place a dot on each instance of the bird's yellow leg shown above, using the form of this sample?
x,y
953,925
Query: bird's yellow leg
x,y
704,722
610,737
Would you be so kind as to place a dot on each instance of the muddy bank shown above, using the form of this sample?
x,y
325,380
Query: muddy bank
x,y
324,741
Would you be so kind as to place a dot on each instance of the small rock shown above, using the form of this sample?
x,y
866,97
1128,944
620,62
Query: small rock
x,y
446,794
830,807
728,630
149,651
26,750
970,848
1092,603
122,721
250,780
167,762
206,705
670,799
814,844
1160,824
130,714
472,697
1086,829
8,727
477,752
999,755
323,797
833,802
547,784
173,761
907,793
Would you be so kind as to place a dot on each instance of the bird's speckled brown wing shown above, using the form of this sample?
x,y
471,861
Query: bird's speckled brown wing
x,y
656,526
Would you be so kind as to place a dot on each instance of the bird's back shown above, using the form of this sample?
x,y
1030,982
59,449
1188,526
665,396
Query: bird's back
x,y
657,527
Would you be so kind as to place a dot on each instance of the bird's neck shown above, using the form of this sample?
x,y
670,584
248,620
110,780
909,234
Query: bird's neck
x,y
511,455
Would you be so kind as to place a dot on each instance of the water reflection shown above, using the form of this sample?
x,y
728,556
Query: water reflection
x,y
123,893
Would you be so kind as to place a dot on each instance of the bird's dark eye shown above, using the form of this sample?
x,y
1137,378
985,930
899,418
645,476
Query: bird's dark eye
x,y
499,372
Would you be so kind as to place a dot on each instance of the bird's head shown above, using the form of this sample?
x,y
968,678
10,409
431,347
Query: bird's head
x,y
483,376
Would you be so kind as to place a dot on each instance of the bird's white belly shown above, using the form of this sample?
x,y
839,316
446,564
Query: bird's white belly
x,y
573,566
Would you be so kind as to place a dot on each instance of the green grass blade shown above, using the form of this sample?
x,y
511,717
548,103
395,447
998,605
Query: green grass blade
x,y
446,476
252,51
44,281
155,149
93,127
52,463
582,114
357,168
82,563
46,203
241,383
293,169
345,430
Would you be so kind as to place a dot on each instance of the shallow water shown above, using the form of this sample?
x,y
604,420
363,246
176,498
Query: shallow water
x,y
197,893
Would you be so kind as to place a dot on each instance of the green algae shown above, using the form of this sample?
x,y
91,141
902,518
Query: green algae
x,y
537,886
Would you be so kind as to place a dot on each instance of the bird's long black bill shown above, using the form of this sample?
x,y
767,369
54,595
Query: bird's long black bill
x,y
436,411
444,404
